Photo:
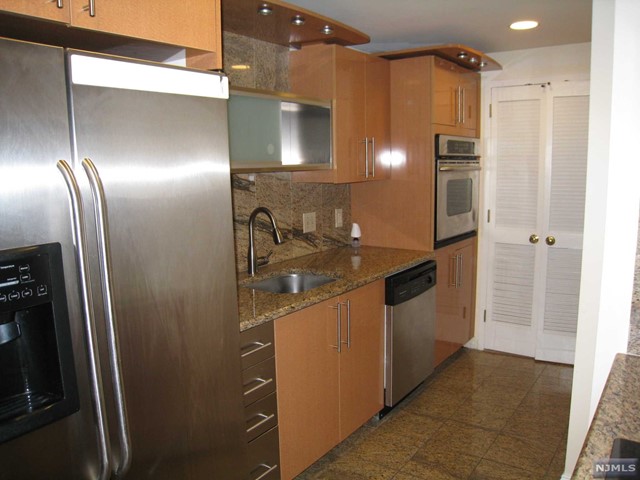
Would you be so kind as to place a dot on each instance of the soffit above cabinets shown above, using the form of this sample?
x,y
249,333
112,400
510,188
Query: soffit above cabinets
x,y
242,17
462,55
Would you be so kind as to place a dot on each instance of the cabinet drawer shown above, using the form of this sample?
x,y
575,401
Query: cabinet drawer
x,y
256,344
259,381
261,416
264,457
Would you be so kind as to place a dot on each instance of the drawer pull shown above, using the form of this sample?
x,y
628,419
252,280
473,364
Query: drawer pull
x,y
261,383
265,419
264,475
258,346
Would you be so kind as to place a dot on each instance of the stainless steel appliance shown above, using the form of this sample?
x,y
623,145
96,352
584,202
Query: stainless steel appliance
x,y
457,188
125,165
410,299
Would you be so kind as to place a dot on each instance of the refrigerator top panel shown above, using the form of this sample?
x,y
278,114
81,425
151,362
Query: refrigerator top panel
x,y
113,72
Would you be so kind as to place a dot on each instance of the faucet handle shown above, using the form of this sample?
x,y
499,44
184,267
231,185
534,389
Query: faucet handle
x,y
264,260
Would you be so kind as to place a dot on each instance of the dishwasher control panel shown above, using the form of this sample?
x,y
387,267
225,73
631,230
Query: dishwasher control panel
x,y
410,283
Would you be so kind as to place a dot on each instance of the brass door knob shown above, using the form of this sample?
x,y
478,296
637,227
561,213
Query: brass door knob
x,y
551,240
534,238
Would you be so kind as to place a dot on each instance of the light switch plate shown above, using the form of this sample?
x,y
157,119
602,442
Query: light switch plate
x,y
308,222
338,216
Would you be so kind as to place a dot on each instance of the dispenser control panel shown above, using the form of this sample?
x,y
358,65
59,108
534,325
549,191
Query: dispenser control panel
x,y
25,278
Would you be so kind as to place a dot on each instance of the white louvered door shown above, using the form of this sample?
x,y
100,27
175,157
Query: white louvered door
x,y
536,176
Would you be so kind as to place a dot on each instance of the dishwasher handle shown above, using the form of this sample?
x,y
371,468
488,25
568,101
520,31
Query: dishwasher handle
x,y
408,284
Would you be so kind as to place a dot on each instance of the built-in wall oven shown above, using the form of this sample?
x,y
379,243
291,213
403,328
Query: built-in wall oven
x,y
457,184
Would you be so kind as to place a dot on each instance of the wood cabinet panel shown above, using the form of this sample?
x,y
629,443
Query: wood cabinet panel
x,y
56,10
323,395
455,297
308,392
361,361
358,84
456,96
192,24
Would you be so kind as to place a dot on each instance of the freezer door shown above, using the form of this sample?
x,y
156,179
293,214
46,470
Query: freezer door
x,y
34,209
163,161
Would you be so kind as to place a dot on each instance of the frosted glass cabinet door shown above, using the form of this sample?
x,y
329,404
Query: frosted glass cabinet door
x,y
255,126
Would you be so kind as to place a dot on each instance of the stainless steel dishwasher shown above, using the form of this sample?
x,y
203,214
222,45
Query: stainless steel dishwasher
x,y
410,299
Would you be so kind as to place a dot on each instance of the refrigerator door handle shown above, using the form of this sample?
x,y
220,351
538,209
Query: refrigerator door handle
x,y
97,395
104,254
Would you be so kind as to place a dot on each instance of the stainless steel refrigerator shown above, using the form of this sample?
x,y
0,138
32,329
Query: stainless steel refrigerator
x,y
114,178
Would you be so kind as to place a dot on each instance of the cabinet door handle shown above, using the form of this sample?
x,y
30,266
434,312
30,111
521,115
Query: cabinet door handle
x,y
338,345
458,103
91,8
453,271
373,157
462,104
348,342
550,240
261,383
266,473
459,272
264,419
366,157
59,4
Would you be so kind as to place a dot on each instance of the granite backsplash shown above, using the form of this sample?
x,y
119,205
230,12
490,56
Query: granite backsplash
x,y
266,67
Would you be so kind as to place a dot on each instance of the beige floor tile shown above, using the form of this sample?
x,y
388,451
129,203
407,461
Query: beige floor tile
x,y
437,402
438,460
488,470
459,437
556,468
536,426
527,454
489,415
417,427
481,357
555,370
350,469
553,385
388,449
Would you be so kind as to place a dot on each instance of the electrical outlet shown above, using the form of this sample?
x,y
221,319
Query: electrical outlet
x,y
338,216
308,222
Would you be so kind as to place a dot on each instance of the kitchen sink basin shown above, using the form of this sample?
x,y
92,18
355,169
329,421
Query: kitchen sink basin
x,y
291,283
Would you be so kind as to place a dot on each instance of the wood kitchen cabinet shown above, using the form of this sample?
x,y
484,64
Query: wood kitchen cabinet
x,y
456,96
193,24
455,297
324,395
359,86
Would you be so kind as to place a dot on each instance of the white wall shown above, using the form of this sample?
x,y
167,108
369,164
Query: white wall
x,y
611,210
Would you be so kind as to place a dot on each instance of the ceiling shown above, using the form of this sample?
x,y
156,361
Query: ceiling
x,y
479,24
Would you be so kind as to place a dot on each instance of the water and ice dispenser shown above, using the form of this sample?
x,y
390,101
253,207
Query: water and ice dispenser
x,y
37,373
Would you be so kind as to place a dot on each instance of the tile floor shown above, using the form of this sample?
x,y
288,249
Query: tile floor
x,y
483,416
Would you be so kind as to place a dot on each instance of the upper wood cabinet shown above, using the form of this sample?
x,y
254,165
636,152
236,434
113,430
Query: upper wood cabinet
x,y
192,24
455,297
455,98
359,86
324,394
56,10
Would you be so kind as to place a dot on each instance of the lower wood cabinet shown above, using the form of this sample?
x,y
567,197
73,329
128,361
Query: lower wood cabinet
x,y
455,297
329,363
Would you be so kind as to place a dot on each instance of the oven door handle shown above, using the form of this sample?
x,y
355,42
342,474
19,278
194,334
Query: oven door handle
x,y
459,169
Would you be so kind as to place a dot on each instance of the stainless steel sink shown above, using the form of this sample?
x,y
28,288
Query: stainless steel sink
x,y
291,283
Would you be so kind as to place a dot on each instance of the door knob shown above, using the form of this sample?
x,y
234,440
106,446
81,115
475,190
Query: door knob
x,y
551,240
534,238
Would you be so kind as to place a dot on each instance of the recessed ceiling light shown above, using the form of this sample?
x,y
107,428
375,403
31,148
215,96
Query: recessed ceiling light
x,y
298,20
463,55
327,30
523,25
265,9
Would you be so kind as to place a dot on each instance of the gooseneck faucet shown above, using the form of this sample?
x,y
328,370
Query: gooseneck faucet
x,y
252,260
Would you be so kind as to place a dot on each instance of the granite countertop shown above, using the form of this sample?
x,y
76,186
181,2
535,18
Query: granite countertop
x,y
617,414
353,268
